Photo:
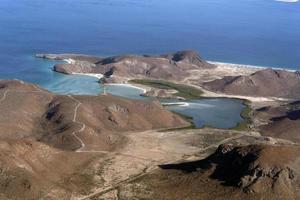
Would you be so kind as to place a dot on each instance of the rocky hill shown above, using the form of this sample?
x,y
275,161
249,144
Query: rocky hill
x,y
173,66
232,172
282,121
30,112
55,146
263,83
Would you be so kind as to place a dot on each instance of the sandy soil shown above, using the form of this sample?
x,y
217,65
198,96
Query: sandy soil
x,y
146,150
222,69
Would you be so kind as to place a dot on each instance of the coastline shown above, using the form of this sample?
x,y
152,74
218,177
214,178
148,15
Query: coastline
x,y
182,104
206,93
129,85
98,76
224,69
70,61
257,67
224,64
253,99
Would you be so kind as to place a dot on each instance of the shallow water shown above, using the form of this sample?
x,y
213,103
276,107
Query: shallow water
x,y
86,85
219,113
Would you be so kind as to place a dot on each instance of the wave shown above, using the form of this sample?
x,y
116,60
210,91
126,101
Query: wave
x,y
288,1
249,66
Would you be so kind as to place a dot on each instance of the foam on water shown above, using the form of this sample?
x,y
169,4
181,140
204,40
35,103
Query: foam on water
x,y
288,1
250,66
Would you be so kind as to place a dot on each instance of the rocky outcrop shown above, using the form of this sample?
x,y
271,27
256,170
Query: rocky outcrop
x,y
258,168
245,172
75,67
250,172
190,57
263,83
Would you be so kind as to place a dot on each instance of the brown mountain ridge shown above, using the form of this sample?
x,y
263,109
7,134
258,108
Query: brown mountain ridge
x,y
263,83
172,66
30,112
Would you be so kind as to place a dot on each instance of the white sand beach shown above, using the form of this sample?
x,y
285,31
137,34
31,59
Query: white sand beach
x,y
184,104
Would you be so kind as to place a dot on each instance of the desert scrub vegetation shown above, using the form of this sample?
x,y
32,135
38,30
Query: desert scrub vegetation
x,y
184,91
246,115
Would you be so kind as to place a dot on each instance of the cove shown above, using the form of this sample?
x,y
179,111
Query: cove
x,y
215,112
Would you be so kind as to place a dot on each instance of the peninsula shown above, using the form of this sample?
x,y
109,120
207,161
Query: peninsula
x,y
107,147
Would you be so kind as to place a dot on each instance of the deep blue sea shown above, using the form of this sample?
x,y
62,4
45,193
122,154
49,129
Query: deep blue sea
x,y
255,32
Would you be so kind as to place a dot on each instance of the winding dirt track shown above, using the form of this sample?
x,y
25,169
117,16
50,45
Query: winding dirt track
x,y
4,96
82,124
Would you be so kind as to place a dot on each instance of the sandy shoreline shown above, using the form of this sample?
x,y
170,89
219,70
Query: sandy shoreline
x,y
207,93
98,76
253,67
129,85
70,61
230,68
183,104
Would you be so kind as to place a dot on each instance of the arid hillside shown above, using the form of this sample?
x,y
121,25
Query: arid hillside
x,y
280,121
30,112
173,66
50,144
263,83
232,172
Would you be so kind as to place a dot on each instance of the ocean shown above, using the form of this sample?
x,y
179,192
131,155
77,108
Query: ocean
x,y
251,32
